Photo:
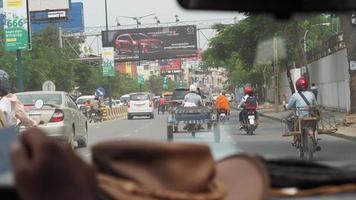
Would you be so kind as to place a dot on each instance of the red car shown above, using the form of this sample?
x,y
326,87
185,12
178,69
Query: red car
x,y
137,43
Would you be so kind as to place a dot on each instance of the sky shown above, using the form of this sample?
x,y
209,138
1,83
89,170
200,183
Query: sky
x,y
165,10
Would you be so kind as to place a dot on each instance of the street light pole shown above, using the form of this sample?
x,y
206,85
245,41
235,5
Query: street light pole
x,y
106,44
305,46
307,31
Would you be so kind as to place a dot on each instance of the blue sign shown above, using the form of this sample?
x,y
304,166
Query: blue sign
x,y
73,22
100,92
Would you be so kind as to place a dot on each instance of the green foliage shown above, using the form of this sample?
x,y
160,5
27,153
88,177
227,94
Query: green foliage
x,y
236,47
46,61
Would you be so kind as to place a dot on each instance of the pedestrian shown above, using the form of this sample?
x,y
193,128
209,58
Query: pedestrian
x,y
11,106
315,91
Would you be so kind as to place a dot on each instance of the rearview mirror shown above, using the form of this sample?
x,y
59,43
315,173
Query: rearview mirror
x,y
39,104
277,7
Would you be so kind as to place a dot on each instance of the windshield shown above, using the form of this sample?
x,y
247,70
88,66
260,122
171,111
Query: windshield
x,y
261,63
30,99
139,97
83,100
138,36
124,99
179,94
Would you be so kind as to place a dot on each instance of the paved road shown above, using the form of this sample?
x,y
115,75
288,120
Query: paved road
x,y
267,141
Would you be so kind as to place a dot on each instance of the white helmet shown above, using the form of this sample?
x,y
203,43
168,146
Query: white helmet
x,y
193,88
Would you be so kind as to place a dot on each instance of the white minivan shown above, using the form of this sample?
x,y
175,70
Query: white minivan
x,y
140,104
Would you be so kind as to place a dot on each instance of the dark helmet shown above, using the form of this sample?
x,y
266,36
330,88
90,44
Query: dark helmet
x,y
5,83
248,90
302,84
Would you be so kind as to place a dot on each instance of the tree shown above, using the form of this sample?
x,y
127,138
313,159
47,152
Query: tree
x,y
240,45
349,34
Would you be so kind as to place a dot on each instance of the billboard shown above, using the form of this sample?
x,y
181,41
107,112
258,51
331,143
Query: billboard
x,y
73,20
16,27
108,63
152,43
170,66
48,5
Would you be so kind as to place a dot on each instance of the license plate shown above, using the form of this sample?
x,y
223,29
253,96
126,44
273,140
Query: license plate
x,y
251,117
222,114
93,114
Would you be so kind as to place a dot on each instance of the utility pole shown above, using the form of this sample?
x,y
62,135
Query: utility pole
x,y
107,42
276,74
60,37
20,82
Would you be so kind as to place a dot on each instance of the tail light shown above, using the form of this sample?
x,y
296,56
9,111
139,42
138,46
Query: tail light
x,y
57,116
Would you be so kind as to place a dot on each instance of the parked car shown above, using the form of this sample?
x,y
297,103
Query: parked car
x,y
140,104
137,42
82,99
59,116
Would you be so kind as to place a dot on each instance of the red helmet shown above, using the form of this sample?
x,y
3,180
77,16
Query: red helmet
x,y
302,84
248,90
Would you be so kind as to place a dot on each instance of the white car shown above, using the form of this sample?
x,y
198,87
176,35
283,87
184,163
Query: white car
x,y
140,104
82,99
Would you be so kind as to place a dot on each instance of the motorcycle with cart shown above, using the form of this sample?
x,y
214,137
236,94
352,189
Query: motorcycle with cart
x,y
194,118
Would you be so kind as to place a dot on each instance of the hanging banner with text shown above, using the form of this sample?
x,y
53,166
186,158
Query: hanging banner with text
x,y
108,61
16,28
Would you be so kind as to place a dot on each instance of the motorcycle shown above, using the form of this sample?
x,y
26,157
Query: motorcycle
x,y
222,115
94,116
250,124
303,130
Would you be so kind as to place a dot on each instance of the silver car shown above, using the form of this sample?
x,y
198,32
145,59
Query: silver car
x,y
58,115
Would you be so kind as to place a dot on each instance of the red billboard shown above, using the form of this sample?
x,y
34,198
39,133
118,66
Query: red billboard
x,y
170,66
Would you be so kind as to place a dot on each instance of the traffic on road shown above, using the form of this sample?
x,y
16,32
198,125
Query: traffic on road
x,y
145,100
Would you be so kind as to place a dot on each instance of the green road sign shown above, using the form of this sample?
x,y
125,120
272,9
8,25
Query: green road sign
x,y
108,63
16,27
181,84
141,80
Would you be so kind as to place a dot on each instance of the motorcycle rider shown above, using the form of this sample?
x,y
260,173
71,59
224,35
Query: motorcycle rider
x,y
193,98
162,104
248,102
11,106
298,102
223,104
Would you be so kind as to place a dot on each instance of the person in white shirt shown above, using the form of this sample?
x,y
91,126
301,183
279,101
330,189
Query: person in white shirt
x,y
11,106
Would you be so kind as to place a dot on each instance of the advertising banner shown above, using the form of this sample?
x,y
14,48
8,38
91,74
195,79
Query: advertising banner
x,y
16,27
170,66
48,5
153,43
108,61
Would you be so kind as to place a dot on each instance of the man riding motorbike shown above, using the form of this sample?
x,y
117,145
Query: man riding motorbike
x,y
248,102
192,98
162,104
11,106
223,104
301,101
297,101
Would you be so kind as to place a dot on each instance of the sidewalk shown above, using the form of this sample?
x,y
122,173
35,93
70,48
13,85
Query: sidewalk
x,y
345,132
